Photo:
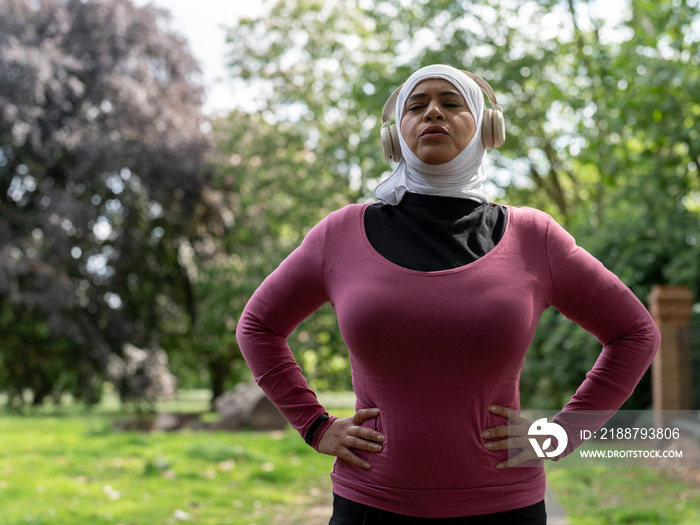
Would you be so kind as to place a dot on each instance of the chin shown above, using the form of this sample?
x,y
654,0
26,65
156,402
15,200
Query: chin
x,y
434,156
435,160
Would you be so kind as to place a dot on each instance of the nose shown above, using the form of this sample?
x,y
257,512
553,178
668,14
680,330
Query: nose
x,y
433,112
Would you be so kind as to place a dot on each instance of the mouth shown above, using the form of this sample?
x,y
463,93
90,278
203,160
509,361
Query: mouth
x,y
433,131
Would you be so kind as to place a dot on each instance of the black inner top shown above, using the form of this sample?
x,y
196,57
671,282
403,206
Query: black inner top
x,y
430,233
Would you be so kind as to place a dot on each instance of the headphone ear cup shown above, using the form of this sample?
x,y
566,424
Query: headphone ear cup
x,y
487,135
493,128
395,142
390,143
498,125
387,147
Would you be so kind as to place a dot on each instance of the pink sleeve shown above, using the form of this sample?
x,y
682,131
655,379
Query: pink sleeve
x,y
593,297
289,294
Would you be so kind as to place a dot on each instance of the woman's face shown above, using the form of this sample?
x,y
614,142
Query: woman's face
x,y
436,123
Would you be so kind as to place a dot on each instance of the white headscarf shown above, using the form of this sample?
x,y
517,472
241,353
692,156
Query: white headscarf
x,y
462,176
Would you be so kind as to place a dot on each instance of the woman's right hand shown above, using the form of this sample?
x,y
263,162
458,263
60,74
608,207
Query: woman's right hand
x,y
343,435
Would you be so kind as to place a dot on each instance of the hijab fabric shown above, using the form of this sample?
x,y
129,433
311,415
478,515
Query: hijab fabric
x,y
462,176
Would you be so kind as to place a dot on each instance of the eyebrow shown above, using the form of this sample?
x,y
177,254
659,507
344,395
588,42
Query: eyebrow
x,y
442,94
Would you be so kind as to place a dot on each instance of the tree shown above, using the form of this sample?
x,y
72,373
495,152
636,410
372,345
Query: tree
x,y
600,121
274,188
101,174
627,166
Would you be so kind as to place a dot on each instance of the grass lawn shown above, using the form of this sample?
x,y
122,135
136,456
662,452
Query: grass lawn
x,y
76,469
624,495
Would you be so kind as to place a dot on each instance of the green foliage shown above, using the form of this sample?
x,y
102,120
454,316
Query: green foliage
x,y
321,351
101,172
601,134
272,184
600,122
692,340
33,360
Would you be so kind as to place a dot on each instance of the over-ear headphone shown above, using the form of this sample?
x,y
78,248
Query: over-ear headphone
x,y
493,128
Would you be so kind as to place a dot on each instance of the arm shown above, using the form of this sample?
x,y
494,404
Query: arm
x,y
594,298
290,294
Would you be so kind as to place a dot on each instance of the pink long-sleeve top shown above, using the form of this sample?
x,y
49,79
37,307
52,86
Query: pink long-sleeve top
x,y
433,350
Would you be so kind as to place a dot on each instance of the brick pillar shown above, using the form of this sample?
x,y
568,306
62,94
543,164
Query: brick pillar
x,y
671,308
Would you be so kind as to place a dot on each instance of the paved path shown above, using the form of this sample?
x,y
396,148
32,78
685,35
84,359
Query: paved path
x,y
555,514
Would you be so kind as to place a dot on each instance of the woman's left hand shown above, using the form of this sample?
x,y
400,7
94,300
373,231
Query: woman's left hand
x,y
516,434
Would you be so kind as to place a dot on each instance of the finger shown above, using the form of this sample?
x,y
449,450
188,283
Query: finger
x,y
364,414
360,416
524,456
359,443
505,431
366,433
499,431
506,412
499,410
507,444
348,456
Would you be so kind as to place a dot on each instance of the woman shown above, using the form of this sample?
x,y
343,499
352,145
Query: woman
x,y
438,293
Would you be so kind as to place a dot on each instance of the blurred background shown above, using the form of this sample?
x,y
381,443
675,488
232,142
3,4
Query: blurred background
x,y
158,160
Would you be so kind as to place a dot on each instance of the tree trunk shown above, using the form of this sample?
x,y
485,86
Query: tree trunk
x,y
219,372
